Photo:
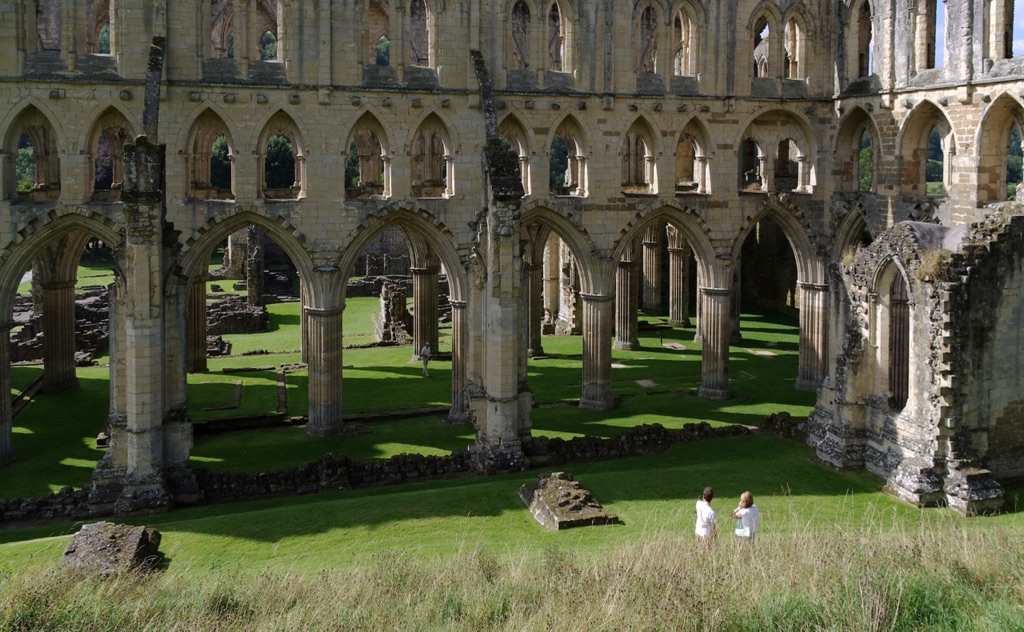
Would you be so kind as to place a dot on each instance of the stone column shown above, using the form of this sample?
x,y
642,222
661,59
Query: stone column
x,y
597,352
813,336
196,335
424,306
109,475
254,265
652,268
59,336
626,297
715,323
325,400
7,453
552,276
459,412
535,308
144,328
678,278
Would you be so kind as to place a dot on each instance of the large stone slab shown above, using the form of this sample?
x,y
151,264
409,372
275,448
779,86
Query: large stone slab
x,y
106,547
558,501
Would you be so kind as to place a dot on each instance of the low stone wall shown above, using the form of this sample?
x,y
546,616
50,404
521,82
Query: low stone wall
x,y
334,471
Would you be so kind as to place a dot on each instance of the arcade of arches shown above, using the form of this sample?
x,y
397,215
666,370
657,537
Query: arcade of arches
x,y
665,151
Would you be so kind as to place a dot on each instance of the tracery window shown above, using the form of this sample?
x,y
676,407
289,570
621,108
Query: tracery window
x,y
792,49
762,47
687,45
222,28
647,59
431,164
556,39
211,159
365,171
520,36
568,165
419,34
108,163
48,25
899,343
98,27
32,170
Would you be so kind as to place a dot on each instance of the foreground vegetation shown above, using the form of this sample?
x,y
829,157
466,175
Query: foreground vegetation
x,y
465,554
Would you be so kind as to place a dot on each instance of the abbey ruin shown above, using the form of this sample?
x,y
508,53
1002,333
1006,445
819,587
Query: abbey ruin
x,y
867,141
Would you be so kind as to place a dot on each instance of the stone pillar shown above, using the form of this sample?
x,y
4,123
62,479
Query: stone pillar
x,y
627,276
552,275
715,324
424,306
813,336
7,453
196,334
652,268
678,278
597,352
535,308
254,265
144,328
324,328
109,476
59,336
459,412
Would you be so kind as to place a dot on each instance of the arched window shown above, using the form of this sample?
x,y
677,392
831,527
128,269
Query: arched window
x,y
220,165
268,46
32,169
685,36
568,165
364,171
25,166
211,160
647,58
792,49
899,343
48,25
419,34
635,173
750,166
222,28
513,137
430,163
1014,154
864,33
686,156
865,163
520,36
379,33
382,51
279,168
556,39
935,168
762,45
108,163
98,27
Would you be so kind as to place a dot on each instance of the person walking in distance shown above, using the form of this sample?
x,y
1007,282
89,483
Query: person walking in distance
x,y
705,527
425,357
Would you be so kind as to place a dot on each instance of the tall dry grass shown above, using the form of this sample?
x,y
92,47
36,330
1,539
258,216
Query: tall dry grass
x,y
936,575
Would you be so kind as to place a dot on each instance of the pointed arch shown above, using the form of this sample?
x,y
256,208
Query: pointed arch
x,y
764,33
710,272
688,27
692,155
850,233
520,54
210,155
637,154
798,232
512,131
917,133
33,136
222,19
281,164
851,152
432,163
576,240
379,33
105,143
368,162
860,40
992,141
769,129
645,39
567,144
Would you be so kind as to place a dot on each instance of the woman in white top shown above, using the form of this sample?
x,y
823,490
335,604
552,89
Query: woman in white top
x,y
705,527
747,517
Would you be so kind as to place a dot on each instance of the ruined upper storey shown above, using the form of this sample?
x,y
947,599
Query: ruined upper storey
x,y
763,49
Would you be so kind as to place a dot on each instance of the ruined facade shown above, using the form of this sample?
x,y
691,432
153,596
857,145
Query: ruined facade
x,y
677,130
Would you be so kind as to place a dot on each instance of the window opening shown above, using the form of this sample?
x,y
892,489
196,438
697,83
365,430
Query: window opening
x,y
268,46
791,37
865,163
761,46
364,169
899,343
648,41
418,35
220,164
939,34
25,165
1015,34
279,165
786,169
1014,159
750,166
383,51
684,64
935,165
556,39
520,36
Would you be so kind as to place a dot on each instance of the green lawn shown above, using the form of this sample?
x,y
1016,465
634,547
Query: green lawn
x,y
55,434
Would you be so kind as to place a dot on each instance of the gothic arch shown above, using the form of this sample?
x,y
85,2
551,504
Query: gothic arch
x,y
850,227
770,127
283,124
432,150
521,139
576,239
373,157
645,29
34,236
693,151
688,222
796,227
687,59
422,226
46,141
206,127
992,140
638,152
848,145
912,141
114,129
197,248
